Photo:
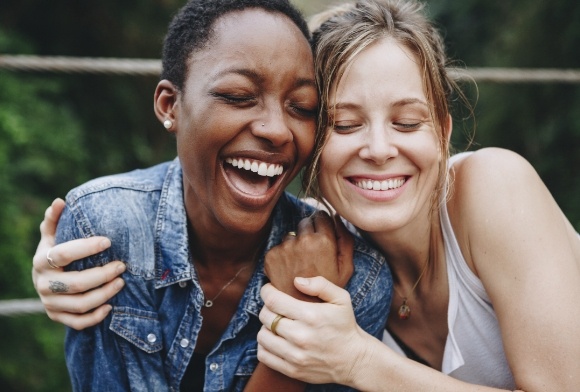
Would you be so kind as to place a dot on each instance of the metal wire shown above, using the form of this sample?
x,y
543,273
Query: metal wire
x,y
145,67
20,307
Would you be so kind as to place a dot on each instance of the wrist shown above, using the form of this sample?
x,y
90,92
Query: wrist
x,y
363,362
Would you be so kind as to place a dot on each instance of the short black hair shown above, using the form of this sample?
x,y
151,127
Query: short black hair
x,y
191,29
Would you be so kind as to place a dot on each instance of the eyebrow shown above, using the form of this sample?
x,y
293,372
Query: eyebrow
x,y
399,103
250,74
410,101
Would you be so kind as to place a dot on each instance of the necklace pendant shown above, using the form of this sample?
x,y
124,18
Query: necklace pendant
x,y
404,310
208,303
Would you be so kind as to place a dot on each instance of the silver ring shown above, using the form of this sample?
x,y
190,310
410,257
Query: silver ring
x,y
291,233
50,261
274,324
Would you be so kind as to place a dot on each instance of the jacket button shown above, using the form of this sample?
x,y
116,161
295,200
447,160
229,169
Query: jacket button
x,y
184,343
182,284
213,367
151,338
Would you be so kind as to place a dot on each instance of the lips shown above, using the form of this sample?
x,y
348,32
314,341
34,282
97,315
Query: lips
x,y
251,176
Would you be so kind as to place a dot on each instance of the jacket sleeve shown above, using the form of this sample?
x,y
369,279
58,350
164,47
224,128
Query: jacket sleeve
x,y
98,358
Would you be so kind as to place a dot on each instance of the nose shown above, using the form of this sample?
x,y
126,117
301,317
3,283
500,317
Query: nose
x,y
378,144
273,127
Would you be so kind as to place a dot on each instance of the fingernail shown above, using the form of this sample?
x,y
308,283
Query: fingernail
x,y
119,284
108,308
105,243
302,281
121,268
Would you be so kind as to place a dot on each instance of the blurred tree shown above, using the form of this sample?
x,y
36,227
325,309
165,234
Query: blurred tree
x,y
57,131
41,154
539,121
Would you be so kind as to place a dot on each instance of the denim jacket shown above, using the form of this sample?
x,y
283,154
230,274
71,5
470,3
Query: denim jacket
x,y
146,342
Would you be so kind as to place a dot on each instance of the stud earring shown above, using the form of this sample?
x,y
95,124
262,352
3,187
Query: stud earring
x,y
167,124
263,124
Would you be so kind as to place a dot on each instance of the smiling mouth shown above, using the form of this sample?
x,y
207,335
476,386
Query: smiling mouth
x,y
251,176
384,185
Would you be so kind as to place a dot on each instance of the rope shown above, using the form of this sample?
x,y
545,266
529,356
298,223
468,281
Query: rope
x,y
81,65
517,75
19,307
145,67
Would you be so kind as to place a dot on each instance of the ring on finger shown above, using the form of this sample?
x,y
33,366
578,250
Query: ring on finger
x,y
50,261
292,233
274,324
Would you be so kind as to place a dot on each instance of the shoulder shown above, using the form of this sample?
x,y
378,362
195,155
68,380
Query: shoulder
x,y
493,161
491,180
121,207
496,197
149,179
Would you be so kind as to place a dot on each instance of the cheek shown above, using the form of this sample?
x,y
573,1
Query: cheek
x,y
304,138
334,156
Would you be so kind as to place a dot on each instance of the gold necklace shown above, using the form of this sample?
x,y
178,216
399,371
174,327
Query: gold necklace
x,y
404,311
209,302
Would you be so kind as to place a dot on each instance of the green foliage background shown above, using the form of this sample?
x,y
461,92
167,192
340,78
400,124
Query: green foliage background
x,y
59,130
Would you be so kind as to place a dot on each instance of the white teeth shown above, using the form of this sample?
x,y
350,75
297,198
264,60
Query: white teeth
x,y
261,168
380,185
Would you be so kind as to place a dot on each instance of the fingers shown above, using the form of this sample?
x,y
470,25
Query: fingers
x,y
79,281
280,303
319,222
51,217
322,288
81,321
67,252
48,226
81,302
323,223
273,361
345,244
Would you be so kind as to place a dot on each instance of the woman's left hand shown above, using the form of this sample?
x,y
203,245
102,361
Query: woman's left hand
x,y
313,342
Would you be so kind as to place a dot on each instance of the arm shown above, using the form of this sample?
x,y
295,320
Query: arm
x,y
322,343
528,257
76,299
318,249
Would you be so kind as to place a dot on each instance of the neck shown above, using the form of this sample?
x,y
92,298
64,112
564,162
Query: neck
x,y
409,249
228,249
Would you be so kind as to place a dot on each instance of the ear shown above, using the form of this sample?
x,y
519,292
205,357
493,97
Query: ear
x,y
165,101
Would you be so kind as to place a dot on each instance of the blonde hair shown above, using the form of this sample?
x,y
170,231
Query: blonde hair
x,y
343,31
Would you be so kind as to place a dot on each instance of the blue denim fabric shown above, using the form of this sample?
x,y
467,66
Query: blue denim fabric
x,y
148,339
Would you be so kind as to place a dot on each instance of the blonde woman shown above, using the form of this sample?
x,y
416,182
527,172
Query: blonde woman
x,y
486,267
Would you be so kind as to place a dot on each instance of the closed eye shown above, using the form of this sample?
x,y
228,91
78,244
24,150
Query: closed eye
x,y
235,99
407,126
346,128
304,112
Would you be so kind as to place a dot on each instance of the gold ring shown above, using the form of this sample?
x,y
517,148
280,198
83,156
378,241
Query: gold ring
x,y
292,233
50,261
274,324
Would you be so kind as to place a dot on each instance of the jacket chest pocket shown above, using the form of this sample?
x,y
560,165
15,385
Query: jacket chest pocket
x,y
140,343
139,327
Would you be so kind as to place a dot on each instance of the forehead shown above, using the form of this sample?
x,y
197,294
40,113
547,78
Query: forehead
x,y
384,68
253,32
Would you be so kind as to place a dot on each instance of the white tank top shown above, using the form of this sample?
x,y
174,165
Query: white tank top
x,y
473,352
